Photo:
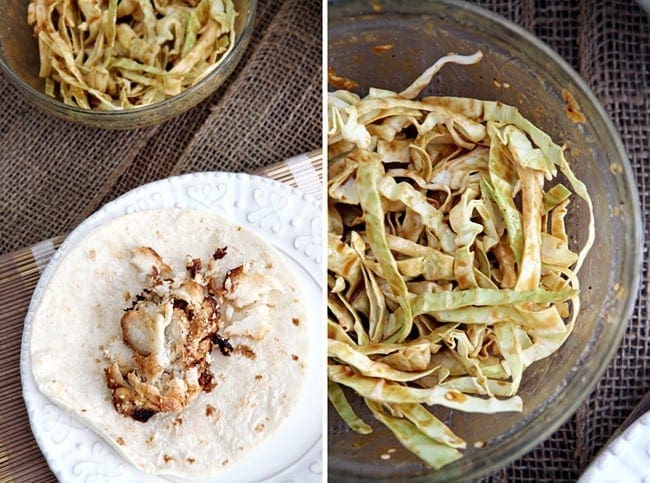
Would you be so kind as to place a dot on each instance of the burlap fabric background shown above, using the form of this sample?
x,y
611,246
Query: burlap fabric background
x,y
53,174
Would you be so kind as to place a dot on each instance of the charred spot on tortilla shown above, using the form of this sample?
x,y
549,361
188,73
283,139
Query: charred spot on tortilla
x,y
142,415
138,298
244,350
224,345
193,266
206,381
209,410
219,253
180,304
295,321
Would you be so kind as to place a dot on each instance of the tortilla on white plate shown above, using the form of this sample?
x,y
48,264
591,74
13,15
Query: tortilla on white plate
x,y
77,333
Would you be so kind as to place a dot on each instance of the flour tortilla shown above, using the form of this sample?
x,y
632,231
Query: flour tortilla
x,y
80,312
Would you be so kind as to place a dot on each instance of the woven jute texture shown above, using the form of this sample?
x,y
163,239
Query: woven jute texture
x,y
608,44
53,174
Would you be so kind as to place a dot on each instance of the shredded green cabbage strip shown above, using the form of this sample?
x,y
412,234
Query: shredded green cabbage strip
x,y
119,54
450,267
339,401
415,439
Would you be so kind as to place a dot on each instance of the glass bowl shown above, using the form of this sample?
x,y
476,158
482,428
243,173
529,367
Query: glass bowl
x,y
520,70
20,62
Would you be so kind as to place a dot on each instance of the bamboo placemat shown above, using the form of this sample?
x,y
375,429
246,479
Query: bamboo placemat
x,y
20,457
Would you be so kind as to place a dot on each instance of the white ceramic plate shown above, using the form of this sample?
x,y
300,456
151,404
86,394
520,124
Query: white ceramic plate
x,y
627,458
289,220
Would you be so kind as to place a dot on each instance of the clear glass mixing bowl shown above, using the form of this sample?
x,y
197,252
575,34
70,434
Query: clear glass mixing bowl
x,y
20,63
421,32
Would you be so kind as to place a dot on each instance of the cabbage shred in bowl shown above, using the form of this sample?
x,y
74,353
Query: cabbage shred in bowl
x,y
20,62
387,45
450,266
119,55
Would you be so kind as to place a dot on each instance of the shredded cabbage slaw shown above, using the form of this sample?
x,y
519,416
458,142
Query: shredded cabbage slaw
x,y
449,265
118,54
